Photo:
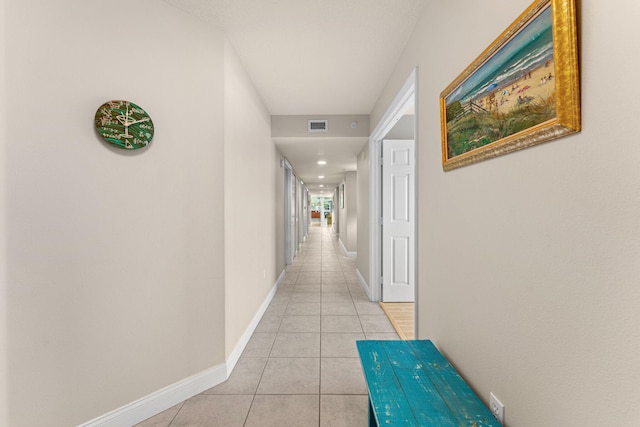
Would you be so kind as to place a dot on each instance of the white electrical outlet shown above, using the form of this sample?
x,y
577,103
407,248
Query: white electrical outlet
x,y
497,408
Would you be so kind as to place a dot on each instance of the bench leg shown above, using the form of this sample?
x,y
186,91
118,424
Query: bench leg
x,y
372,416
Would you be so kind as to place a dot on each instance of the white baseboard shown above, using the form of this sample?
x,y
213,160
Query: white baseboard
x,y
346,252
158,401
244,340
363,283
161,400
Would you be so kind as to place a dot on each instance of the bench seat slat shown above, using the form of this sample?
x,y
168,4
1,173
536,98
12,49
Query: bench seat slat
x,y
463,402
390,402
424,398
411,384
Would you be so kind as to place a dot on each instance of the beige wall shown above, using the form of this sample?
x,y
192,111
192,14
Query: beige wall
x,y
403,129
278,190
348,220
300,220
250,175
335,199
528,263
4,395
114,260
362,187
351,203
342,213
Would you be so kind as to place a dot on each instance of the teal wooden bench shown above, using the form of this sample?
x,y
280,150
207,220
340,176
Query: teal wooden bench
x,y
411,384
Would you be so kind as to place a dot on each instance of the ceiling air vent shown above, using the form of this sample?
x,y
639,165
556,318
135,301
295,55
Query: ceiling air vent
x,y
318,126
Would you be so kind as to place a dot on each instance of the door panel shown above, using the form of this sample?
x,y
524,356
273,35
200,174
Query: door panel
x,y
399,256
398,222
400,198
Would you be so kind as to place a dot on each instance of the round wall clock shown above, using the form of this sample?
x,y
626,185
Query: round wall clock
x,y
124,124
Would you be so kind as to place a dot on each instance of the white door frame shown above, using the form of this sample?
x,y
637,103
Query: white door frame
x,y
406,95
289,201
304,215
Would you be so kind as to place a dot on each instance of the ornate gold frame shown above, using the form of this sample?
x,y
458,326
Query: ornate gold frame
x,y
567,86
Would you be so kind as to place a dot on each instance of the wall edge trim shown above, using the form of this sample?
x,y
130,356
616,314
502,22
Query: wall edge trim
x,y
352,254
244,340
158,401
363,283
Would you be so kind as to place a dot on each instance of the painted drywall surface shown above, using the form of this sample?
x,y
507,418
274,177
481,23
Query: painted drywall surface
x,y
4,392
301,212
115,260
278,190
298,211
403,129
528,263
351,203
342,213
338,126
362,262
250,178
348,220
335,200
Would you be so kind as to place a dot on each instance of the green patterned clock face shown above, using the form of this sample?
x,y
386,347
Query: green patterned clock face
x,y
124,124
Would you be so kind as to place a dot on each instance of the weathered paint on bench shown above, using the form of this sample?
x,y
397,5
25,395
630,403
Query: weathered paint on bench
x,y
411,384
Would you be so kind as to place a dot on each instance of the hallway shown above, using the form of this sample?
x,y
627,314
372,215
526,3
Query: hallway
x,y
301,367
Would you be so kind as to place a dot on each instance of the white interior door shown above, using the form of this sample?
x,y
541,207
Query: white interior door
x,y
398,220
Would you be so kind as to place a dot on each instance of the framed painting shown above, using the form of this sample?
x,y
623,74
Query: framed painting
x,y
523,90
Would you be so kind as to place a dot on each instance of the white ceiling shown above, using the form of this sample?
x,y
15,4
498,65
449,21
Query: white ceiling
x,y
303,153
314,57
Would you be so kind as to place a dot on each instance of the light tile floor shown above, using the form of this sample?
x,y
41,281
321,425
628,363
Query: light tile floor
x,y
300,367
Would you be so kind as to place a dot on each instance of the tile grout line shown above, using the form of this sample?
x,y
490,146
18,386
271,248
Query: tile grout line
x,y
326,253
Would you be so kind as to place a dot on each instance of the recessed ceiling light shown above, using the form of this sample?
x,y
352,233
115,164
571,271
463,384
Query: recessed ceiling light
x,y
322,162
321,185
321,176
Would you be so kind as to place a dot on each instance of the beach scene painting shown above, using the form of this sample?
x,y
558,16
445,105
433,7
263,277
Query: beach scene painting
x,y
512,91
